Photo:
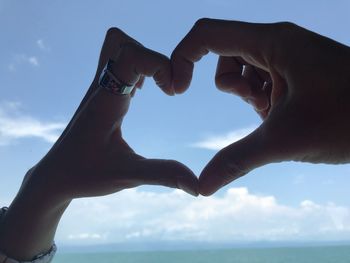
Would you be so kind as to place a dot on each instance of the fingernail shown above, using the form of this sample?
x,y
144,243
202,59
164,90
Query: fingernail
x,y
168,91
183,186
250,102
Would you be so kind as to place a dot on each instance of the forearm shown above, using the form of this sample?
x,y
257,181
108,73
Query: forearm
x,y
29,226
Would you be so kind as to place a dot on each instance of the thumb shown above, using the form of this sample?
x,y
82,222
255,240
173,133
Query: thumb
x,y
168,173
236,160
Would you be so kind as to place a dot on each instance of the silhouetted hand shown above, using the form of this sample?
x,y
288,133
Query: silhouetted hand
x,y
91,158
297,81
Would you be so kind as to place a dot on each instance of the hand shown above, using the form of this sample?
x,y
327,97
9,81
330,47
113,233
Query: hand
x,y
297,81
91,158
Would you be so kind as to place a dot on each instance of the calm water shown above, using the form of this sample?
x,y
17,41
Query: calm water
x,y
340,254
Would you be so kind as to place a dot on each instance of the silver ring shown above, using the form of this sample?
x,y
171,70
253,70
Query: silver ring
x,y
111,83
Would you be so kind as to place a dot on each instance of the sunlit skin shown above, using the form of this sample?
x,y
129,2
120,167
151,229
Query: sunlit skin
x,y
296,80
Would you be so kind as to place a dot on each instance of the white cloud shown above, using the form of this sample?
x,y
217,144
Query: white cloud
x,y
221,141
135,215
33,61
20,59
15,125
42,45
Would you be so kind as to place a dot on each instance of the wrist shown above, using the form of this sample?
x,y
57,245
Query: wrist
x,y
28,227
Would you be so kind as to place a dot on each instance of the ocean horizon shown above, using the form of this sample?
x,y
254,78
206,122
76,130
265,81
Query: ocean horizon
x,y
308,253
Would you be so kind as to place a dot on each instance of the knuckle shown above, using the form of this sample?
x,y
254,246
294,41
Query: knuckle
x,y
202,23
284,37
285,30
285,25
114,31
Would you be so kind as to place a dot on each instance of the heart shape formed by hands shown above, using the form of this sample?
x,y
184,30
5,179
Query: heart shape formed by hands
x,y
257,62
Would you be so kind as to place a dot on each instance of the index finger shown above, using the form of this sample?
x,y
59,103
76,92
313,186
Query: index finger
x,y
135,61
114,38
250,41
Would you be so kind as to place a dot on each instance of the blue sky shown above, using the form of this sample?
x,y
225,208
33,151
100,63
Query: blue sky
x,y
48,56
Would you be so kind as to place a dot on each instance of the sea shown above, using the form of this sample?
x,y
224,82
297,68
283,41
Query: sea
x,y
323,254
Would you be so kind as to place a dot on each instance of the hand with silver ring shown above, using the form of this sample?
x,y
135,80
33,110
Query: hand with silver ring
x,y
91,157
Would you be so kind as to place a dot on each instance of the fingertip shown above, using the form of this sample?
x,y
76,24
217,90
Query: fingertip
x,y
204,191
263,114
261,104
188,181
182,176
169,173
167,89
194,191
210,184
220,171
208,181
181,74
206,194
163,79
181,81
180,90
